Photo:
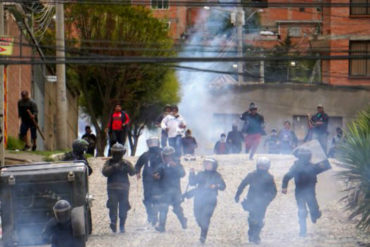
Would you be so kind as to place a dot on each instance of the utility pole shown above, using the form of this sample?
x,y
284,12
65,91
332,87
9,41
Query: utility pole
x,y
2,136
61,119
240,21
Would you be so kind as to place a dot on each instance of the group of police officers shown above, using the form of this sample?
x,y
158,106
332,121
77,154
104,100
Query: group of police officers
x,y
161,172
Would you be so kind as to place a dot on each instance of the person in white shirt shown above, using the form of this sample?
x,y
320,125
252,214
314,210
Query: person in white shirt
x,y
174,124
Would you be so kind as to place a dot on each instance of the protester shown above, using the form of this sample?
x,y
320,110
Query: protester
x,y
149,161
27,112
171,174
272,142
235,139
262,190
318,125
189,144
174,124
59,230
91,139
208,183
221,146
164,135
337,139
287,139
117,170
117,126
305,178
254,125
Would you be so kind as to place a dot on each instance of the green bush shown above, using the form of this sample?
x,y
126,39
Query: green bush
x,y
354,154
14,143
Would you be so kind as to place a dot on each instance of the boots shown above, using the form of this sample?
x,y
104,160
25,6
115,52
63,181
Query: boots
x,y
113,227
122,224
302,227
203,235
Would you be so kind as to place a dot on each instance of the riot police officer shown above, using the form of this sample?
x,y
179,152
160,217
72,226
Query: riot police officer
x,y
79,147
262,190
171,173
208,183
59,230
149,161
305,178
117,170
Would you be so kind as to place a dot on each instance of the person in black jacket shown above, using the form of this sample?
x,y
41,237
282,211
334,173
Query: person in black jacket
x,y
149,161
59,230
27,112
235,139
262,190
208,183
305,178
172,172
117,170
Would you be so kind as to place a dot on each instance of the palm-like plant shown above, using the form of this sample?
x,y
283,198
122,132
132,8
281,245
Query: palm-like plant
x,y
354,153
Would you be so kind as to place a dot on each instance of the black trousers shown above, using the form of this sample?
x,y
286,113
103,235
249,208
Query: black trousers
x,y
255,221
203,211
116,136
118,203
306,198
149,202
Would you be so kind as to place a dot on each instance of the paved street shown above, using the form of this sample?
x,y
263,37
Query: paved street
x,y
229,224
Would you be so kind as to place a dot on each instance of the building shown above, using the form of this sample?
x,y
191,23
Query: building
x,y
329,30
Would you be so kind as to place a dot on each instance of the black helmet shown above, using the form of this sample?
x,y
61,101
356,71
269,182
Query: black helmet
x,y
62,211
211,161
152,142
303,154
79,146
118,150
263,163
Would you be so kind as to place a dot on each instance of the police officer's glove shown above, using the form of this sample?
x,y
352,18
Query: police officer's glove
x,y
236,199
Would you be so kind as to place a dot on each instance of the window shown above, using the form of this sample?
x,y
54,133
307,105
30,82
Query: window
x,y
359,67
360,10
294,32
159,4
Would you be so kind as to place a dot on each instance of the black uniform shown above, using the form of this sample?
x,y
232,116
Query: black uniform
x,y
305,178
262,190
61,234
91,139
118,189
149,161
205,197
71,156
320,132
171,193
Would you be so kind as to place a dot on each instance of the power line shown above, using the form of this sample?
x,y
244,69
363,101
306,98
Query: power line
x,y
203,3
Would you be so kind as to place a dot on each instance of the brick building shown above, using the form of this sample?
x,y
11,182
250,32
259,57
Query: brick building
x,y
328,31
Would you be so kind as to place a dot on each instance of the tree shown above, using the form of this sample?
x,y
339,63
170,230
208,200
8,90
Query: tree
x,y
121,31
355,156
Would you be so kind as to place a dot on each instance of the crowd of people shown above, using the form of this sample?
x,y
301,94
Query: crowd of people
x,y
277,142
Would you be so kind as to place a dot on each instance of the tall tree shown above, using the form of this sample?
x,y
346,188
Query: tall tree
x,y
121,31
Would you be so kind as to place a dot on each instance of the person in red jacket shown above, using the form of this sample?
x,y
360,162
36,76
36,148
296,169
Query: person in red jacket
x,y
117,126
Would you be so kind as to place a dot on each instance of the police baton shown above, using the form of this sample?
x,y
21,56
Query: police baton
x,y
35,123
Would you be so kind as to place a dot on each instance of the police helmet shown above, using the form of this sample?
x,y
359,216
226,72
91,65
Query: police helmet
x,y
79,146
168,151
118,150
62,211
152,142
211,161
263,163
303,154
